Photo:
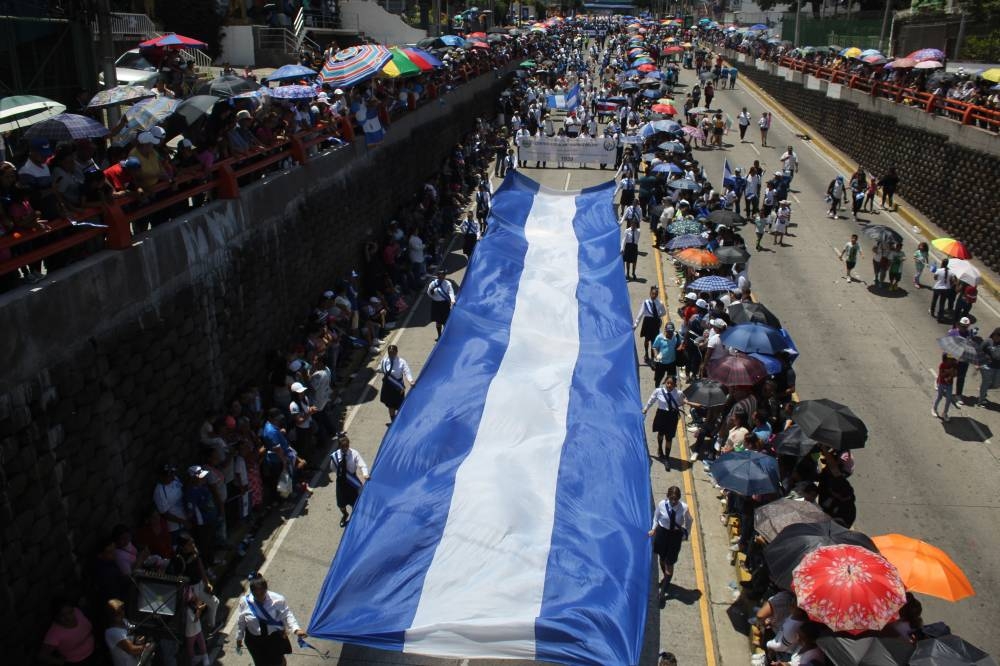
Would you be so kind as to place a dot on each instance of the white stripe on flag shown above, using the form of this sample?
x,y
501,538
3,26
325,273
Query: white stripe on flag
x,y
484,587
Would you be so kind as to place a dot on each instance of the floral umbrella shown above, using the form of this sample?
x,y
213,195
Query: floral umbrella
x,y
292,92
119,95
683,227
693,132
848,588
144,115
927,54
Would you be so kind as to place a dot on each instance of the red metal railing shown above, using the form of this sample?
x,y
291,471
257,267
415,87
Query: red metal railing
x,y
962,112
221,182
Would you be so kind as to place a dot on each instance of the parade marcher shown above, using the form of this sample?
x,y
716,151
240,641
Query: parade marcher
x,y
966,297
470,234
764,124
669,402
630,248
790,164
743,120
889,182
665,353
895,257
650,316
483,203
942,290
442,296
879,262
961,330
782,218
395,376
671,525
859,184
760,228
351,473
263,619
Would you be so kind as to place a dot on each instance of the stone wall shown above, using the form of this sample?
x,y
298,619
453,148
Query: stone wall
x,y
110,366
950,183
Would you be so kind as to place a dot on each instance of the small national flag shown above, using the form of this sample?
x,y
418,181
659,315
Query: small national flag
x,y
568,100
727,174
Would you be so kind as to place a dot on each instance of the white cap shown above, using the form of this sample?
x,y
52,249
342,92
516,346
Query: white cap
x,y
691,296
338,91
964,321
297,387
197,472
328,294
702,303
718,323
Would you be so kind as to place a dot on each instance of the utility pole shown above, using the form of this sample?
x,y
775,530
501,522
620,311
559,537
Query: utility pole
x,y
107,54
885,26
436,10
798,19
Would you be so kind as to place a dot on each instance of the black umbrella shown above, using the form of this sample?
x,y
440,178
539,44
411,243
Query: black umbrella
x,y
630,86
959,348
732,254
775,516
746,313
867,651
794,442
882,233
189,115
228,85
831,423
949,650
706,393
726,218
796,541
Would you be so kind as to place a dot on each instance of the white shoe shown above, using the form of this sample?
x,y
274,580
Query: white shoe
x,y
373,349
693,457
379,341
935,414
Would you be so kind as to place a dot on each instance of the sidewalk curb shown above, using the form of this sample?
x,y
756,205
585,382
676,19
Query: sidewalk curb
x,y
817,139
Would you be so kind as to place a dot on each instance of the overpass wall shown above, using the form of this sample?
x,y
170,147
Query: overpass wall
x,y
947,171
110,366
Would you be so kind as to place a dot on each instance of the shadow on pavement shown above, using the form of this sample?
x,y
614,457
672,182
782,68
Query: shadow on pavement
x,y
885,292
967,429
738,617
683,595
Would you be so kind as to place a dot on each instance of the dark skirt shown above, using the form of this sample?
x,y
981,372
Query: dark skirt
x,y
440,311
391,395
268,650
628,196
468,244
650,328
630,253
347,493
665,422
667,543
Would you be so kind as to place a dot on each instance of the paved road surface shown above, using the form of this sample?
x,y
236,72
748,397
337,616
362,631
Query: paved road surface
x,y
872,350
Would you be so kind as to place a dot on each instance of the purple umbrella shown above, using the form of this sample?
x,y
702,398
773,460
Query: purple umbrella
x,y
927,54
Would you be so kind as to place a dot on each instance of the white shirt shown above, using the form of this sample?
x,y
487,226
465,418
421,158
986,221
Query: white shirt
x,y
631,236
661,396
169,498
941,278
416,249
743,119
274,605
682,517
649,308
319,382
119,657
397,369
354,463
301,406
790,160
441,290
716,348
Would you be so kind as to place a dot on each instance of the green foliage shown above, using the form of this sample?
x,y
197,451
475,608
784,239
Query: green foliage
x,y
983,48
193,18
983,11
539,10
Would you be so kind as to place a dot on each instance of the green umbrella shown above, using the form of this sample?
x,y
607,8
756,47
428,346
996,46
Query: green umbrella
x,y
681,227
400,65
528,63
18,111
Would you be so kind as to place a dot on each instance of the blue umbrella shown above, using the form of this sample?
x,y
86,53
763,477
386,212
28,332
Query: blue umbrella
x,y
747,473
754,337
673,147
684,184
651,94
451,40
666,126
771,364
759,26
655,74
685,241
868,52
291,73
712,283
292,92
67,127
667,167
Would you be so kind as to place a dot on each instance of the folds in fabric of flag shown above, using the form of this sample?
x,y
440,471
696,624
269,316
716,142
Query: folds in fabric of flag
x,y
507,514
569,100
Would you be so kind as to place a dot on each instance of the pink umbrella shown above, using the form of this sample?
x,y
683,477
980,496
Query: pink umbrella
x,y
902,63
693,132
928,64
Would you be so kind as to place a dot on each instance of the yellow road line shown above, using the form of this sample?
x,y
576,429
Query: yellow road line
x,y
692,501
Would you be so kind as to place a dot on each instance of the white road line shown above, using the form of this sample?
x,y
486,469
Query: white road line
x,y
754,148
568,175
797,200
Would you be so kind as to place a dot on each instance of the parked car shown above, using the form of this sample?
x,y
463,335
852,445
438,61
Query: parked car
x,y
133,69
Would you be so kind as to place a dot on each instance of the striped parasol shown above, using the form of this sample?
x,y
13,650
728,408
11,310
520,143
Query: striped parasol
x,y
354,64
119,95
400,65
425,60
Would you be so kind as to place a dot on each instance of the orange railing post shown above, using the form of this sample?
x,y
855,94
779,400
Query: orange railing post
x,y
119,229
296,149
227,187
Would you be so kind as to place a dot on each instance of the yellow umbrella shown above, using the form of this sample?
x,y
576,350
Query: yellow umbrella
x,y
852,52
991,74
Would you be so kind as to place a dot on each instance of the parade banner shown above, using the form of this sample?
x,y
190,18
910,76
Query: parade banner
x,y
507,512
568,151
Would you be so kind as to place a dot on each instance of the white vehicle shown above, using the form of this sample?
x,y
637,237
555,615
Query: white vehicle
x,y
132,69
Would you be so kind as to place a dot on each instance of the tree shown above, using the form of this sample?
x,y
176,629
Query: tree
x,y
193,18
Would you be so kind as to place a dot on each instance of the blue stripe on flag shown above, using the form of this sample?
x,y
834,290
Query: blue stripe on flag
x,y
372,590
597,582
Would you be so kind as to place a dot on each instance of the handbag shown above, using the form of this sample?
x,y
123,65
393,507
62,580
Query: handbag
x,y
284,486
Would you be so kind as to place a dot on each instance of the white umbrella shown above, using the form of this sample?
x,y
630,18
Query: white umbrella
x,y
19,111
964,271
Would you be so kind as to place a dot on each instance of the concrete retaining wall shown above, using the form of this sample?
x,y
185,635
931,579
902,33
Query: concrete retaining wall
x,y
110,366
947,171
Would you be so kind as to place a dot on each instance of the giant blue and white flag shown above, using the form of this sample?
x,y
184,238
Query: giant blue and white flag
x,y
508,509
568,100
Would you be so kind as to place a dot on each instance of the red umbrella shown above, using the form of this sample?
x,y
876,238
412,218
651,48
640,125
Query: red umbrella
x,y
737,370
479,45
670,50
848,588
480,35
646,68
665,109
171,40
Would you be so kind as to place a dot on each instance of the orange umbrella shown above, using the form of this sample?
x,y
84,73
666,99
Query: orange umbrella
x,y
924,568
697,258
